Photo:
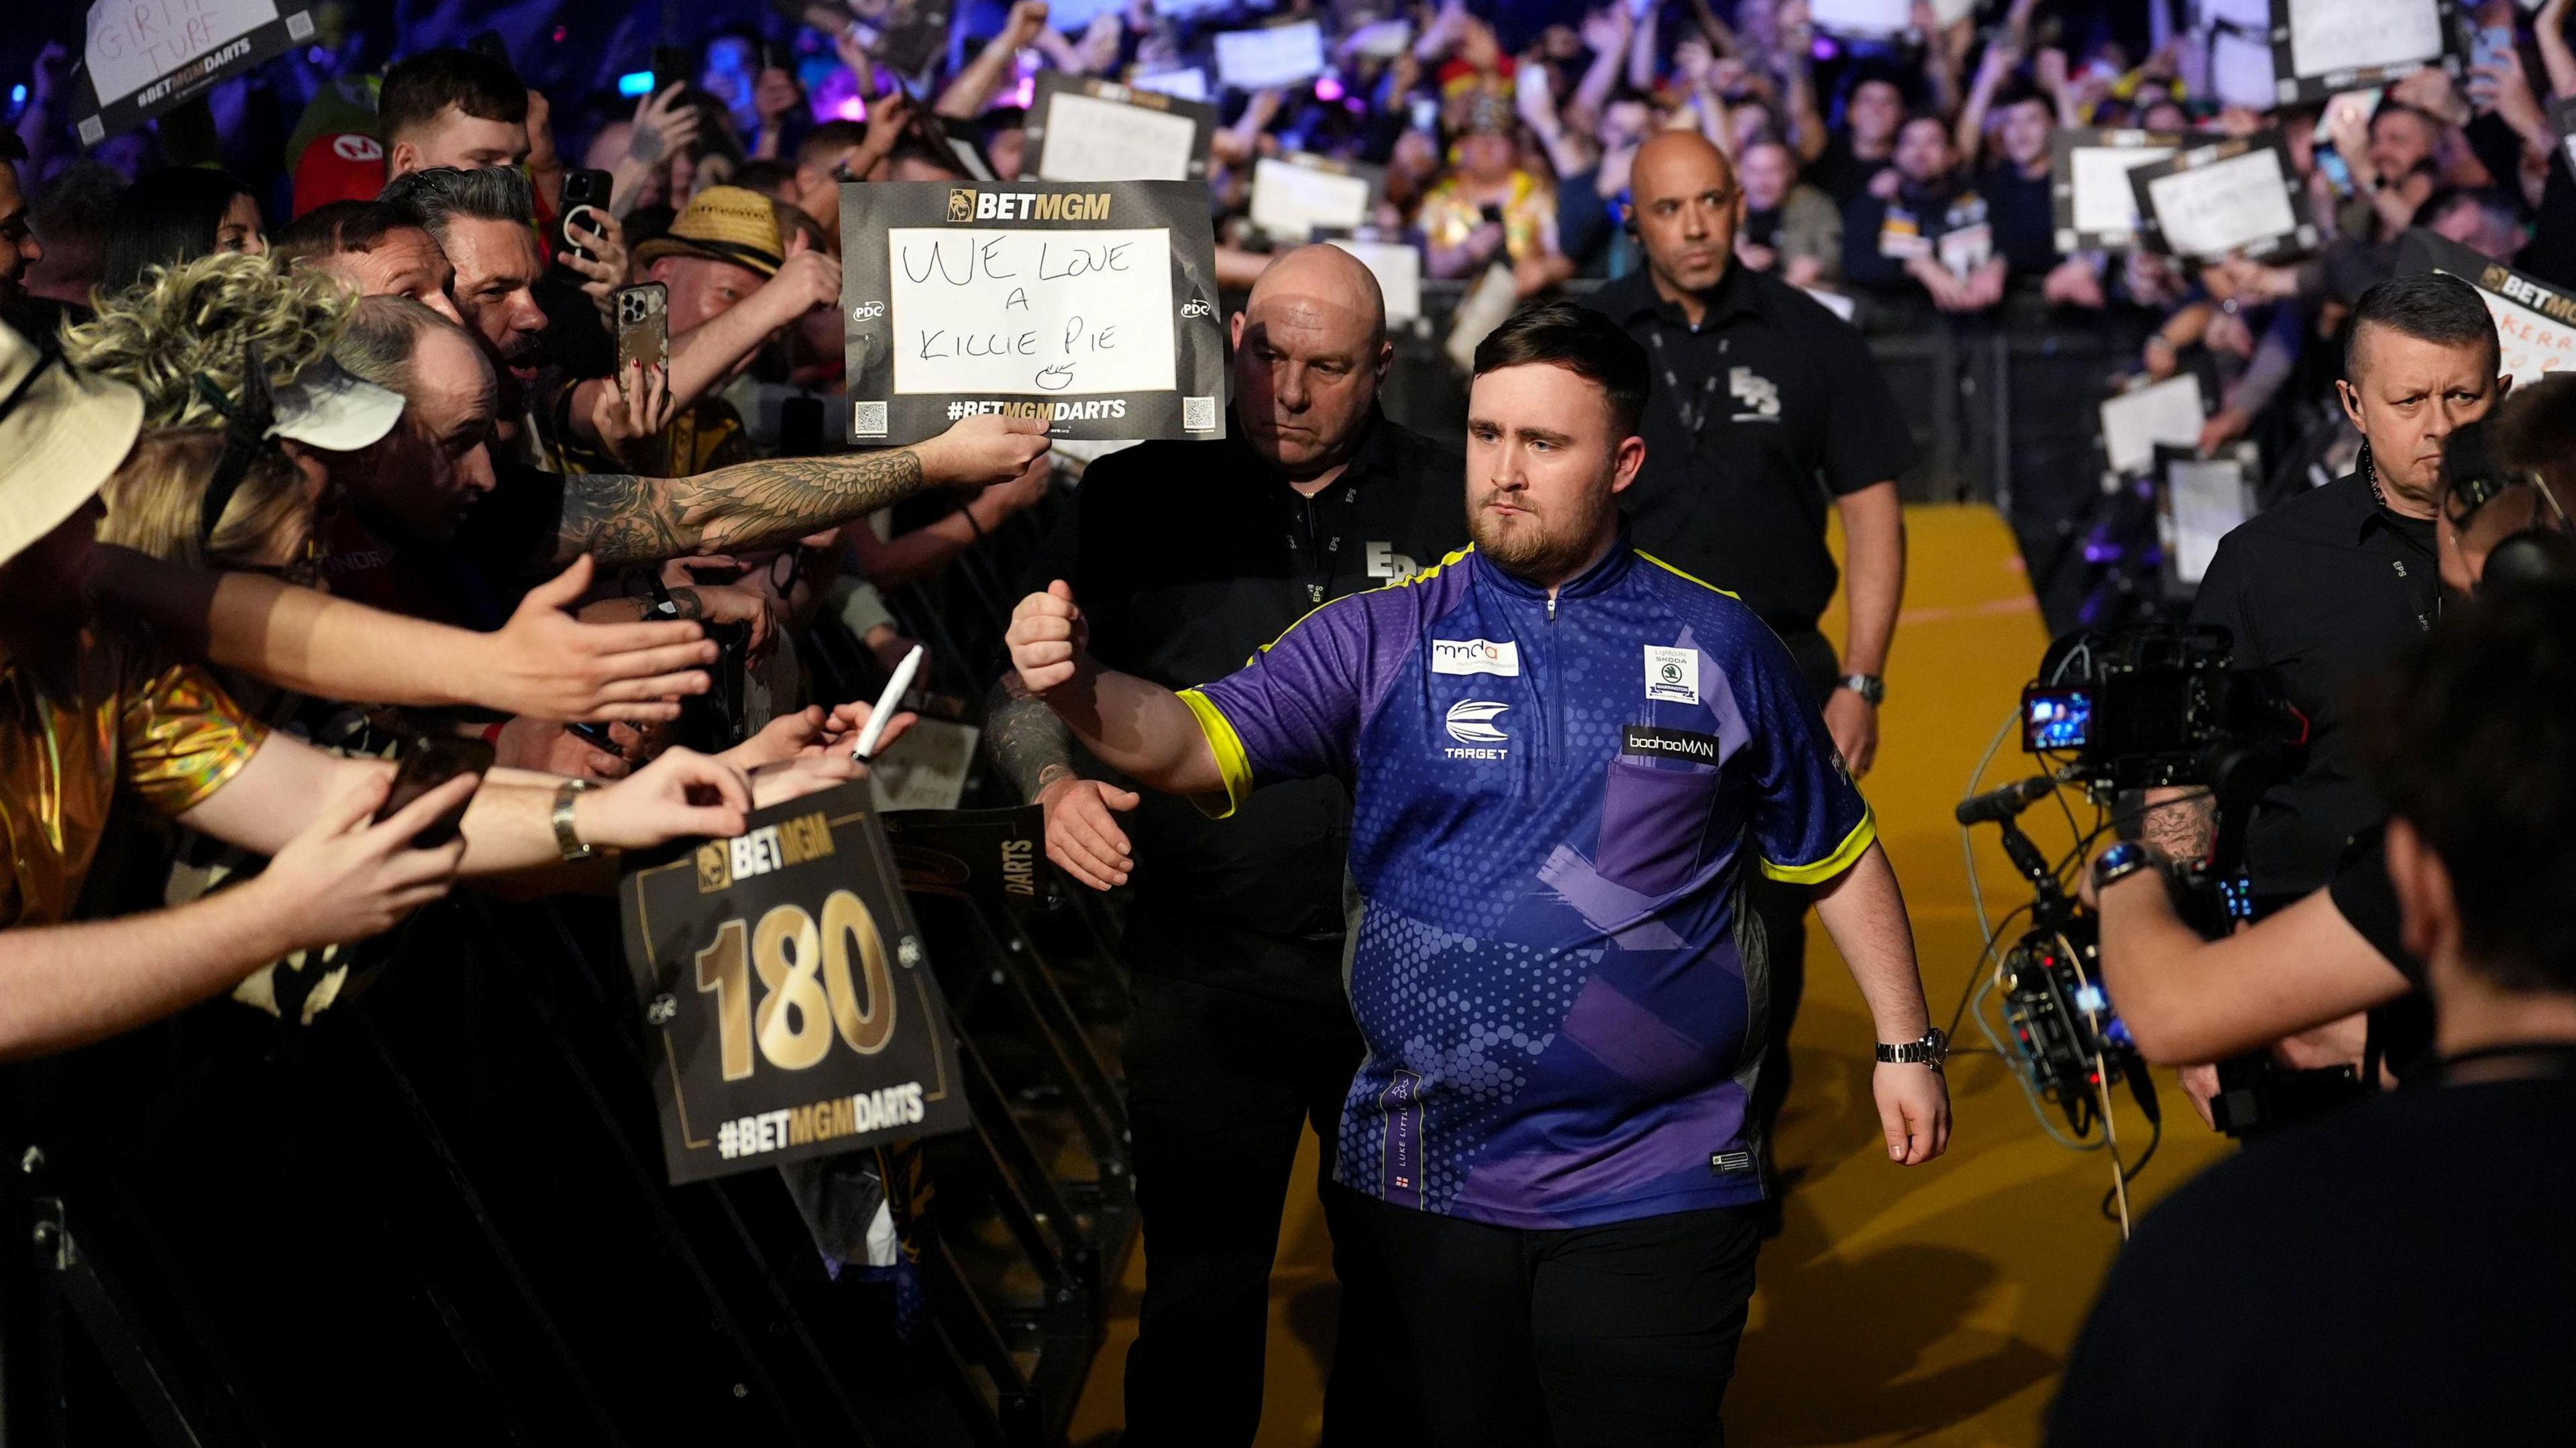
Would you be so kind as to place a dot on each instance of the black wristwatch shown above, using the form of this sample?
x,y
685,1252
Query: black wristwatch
x,y
2119,862
1869,686
1929,1051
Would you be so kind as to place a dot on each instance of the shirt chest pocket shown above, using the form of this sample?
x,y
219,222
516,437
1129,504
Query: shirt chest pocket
x,y
1659,803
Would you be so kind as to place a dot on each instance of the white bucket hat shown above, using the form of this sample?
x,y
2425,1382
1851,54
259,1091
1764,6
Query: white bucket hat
x,y
62,433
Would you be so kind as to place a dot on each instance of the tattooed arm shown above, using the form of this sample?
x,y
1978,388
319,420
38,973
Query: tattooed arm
x,y
1035,749
626,521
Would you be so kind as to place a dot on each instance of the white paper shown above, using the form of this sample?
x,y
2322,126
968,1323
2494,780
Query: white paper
x,y
1270,56
1398,269
1075,16
1189,83
2329,36
1030,313
926,768
1863,17
2209,211
1091,139
133,43
1951,12
1290,201
1381,39
2104,200
1835,302
2134,422
2534,345
2204,502
2240,71
1488,306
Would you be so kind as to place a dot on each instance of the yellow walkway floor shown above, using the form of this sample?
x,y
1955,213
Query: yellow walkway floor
x,y
1925,1306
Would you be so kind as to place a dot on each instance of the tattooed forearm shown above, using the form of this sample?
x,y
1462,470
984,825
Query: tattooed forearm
x,y
1026,738
623,521
2181,825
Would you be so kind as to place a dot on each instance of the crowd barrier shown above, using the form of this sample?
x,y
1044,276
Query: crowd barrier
x,y
439,1212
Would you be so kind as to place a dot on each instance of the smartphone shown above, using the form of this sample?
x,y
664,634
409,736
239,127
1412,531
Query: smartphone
x,y
1426,114
427,765
598,736
2491,45
673,63
581,188
643,327
2331,165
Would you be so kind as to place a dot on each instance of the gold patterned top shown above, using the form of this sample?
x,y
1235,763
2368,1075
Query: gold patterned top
x,y
1447,217
72,730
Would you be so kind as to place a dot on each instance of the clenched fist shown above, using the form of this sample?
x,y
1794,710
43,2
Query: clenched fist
x,y
1047,639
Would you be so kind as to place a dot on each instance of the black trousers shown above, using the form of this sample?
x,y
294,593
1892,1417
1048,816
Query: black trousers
x,y
1782,908
1220,1086
1621,1336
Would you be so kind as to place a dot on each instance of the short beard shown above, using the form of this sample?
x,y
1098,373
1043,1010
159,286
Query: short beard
x,y
1549,552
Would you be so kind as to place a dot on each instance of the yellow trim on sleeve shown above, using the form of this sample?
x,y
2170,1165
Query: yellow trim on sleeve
x,y
1231,760
1845,855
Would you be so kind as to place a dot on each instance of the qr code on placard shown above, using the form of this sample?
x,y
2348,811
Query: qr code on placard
x,y
867,419
1198,414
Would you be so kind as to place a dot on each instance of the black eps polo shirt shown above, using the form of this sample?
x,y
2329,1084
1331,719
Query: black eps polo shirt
x,y
1186,559
1754,417
2322,590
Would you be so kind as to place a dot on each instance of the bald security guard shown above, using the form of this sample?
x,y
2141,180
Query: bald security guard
x,y
1191,556
1765,405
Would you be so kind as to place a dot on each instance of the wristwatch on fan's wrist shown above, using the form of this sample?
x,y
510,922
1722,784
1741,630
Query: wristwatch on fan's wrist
x,y
1930,1051
1869,686
568,841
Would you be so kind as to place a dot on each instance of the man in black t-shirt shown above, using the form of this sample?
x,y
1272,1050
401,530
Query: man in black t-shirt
x,y
1864,145
1766,408
1188,558
2401,1272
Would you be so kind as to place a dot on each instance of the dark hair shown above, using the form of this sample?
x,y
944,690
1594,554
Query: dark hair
x,y
2430,307
923,153
2471,741
170,215
2447,199
430,199
1580,340
765,174
827,138
416,89
2534,431
336,227
75,215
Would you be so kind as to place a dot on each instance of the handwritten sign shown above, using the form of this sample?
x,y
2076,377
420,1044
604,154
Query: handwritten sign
x,y
2096,206
1090,304
142,58
2233,198
1398,268
2162,412
2202,500
2535,322
2323,46
1872,18
1186,83
2240,69
1293,197
1267,57
787,994
1081,129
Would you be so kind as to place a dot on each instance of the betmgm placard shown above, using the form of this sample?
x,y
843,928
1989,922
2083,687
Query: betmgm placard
x,y
1092,305
788,1004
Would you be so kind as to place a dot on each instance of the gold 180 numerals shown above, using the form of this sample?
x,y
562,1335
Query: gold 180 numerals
x,y
809,992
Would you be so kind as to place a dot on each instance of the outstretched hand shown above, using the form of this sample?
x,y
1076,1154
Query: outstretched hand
x,y
549,665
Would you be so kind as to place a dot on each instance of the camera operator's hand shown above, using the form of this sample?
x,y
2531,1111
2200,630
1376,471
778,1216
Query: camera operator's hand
x,y
1852,721
680,795
2200,1083
546,663
1047,638
1914,1110
983,450
1082,833
345,878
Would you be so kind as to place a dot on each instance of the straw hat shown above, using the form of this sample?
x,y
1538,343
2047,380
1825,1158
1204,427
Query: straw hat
x,y
62,432
722,223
